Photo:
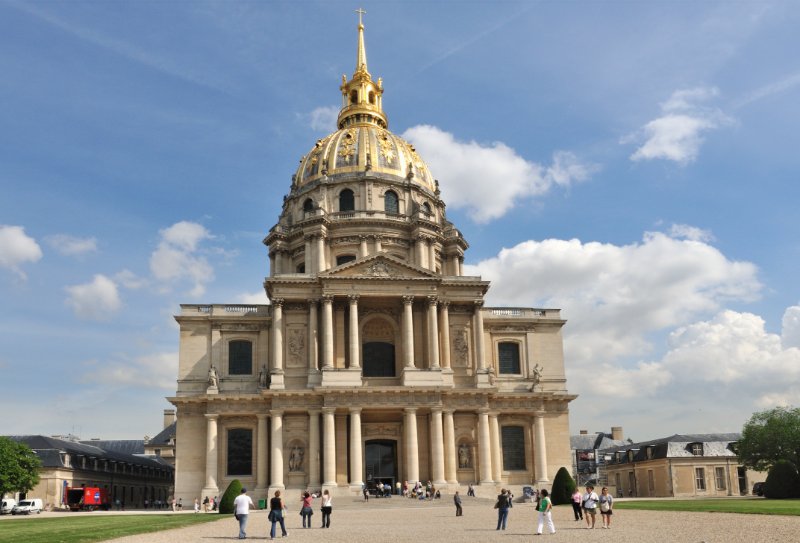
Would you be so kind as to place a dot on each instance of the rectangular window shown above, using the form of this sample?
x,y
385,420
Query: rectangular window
x,y
240,358
719,476
513,438
697,449
700,478
240,451
651,482
509,357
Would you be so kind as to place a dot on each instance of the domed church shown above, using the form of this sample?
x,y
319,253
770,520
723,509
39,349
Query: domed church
x,y
376,360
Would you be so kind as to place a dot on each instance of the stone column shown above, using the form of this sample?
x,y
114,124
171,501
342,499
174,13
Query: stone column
x,y
212,454
378,246
432,254
433,333
437,447
444,330
540,450
327,332
356,454
320,253
329,446
454,264
313,448
480,350
261,455
277,335
412,449
362,246
450,461
313,346
497,451
408,332
277,449
421,251
355,346
309,260
484,445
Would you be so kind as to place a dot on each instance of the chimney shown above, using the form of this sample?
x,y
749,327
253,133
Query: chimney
x,y
584,432
169,417
616,433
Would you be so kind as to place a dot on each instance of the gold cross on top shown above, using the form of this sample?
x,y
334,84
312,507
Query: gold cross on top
x,y
360,13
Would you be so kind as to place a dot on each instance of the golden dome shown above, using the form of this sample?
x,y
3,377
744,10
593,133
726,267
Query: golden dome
x,y
363,142
361,148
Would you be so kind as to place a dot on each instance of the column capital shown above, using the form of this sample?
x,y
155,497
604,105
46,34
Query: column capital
x,y
410,410
328,410
314,411
377,237
436,409
355,410
276,412
448,410
408,300
353,298
478,304
494,414
212,416
262,416
278,302
308,237
483,410
433,300
327,298
363,237
444,303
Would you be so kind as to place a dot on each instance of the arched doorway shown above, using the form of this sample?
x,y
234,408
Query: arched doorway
x,y
381,462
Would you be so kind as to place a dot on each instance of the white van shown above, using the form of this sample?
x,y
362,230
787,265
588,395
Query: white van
x,y
26,507
8,505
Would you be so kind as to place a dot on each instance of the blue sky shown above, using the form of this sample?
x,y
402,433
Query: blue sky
x,y
632,163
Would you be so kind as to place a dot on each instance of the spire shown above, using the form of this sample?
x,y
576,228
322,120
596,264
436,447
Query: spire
x,y
361,96
361,57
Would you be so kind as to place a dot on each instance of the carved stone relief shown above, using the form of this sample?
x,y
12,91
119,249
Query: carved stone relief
x,y
296,346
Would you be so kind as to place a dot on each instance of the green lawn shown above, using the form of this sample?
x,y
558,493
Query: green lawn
x,y
88,527
752,506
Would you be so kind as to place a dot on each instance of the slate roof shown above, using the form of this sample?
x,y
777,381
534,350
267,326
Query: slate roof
x,y
127,446
49,450
678,446
597,440
164,436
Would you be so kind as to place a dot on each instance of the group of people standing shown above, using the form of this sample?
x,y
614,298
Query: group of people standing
x,y
277,511
585,506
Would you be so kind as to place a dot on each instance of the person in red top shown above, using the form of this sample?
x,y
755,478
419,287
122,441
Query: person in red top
x,y
306,510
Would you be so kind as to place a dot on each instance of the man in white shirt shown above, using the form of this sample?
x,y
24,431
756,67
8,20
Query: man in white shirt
x,y
242,505
590,500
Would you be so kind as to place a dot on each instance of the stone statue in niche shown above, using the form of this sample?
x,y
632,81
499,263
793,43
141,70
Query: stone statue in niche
x,y
296,459
262,377
536,376
464,460
213,379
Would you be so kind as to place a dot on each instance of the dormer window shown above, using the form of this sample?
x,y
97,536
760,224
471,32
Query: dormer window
x,y
696,449
650,452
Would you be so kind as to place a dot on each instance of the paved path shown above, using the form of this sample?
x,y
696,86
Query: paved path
x,y
400,520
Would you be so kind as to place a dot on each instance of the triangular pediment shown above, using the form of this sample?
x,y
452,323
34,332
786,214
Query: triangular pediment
x,y
380,266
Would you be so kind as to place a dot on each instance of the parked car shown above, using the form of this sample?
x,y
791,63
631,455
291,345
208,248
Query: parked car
x,y
758,489
7,506
26,507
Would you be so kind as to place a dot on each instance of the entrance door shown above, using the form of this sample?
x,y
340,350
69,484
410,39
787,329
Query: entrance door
x,y
381,462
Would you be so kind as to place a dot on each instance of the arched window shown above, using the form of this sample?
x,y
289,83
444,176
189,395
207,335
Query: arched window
x,y
390,202
371,97
426,208
347,201
308,205
240,357
301,268
344,259
354,97
508,357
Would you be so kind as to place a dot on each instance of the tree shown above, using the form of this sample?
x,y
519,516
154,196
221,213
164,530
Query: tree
x,y
19,467
770,436
563,487
226,503
782,481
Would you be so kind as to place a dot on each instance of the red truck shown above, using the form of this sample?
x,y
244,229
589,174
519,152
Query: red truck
x,y
88,498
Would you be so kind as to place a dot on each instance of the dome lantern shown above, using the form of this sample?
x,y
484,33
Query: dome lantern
x,y
361,96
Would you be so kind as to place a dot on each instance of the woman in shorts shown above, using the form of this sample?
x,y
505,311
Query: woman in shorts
x,y
606,507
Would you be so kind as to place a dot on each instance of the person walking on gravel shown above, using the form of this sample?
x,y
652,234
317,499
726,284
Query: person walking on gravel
x,y
590,500
545,514
606,505
242,505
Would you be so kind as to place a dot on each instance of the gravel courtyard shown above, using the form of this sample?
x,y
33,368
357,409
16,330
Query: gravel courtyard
x,y
401,520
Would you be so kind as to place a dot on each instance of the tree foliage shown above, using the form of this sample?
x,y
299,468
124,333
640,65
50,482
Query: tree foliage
x,y
782,481
19,467
770,436
226,503
563,487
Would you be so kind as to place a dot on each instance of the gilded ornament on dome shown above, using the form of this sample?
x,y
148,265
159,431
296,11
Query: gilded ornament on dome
x,y
347,146
387,149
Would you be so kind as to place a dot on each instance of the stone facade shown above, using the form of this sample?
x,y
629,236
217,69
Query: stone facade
x,y
376,359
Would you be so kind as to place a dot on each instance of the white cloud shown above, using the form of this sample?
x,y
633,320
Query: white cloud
x,y
790,336
771,89
678,134
323,119
130,280
467,169
693,233
259,297
151,371
17,248
615,296
72,246
97,300
175,258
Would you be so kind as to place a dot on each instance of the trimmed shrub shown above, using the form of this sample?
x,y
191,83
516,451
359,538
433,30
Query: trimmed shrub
x,y
563,487
782,481
226,503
